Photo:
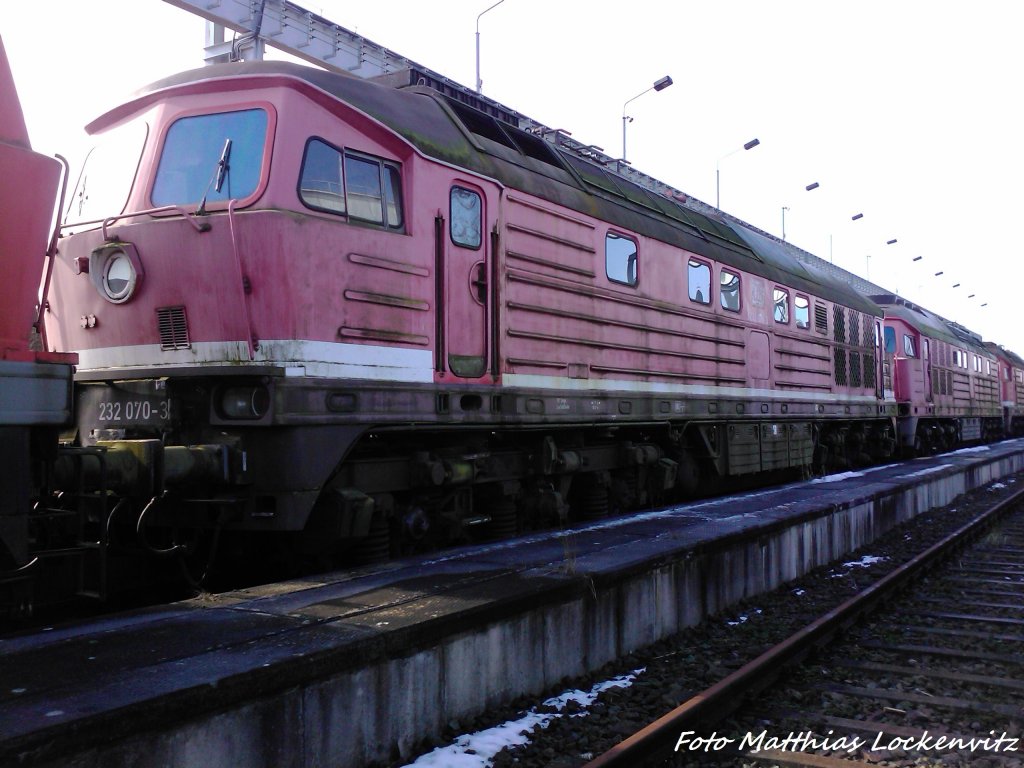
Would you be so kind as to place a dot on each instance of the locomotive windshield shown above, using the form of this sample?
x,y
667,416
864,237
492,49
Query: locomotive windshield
x,y
108,173
190,164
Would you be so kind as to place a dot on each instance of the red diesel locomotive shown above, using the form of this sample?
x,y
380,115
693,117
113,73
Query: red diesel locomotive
x,y
384,318
945,379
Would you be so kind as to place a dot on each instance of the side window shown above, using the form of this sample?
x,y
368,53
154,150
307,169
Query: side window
x,y
466,223
363,190
620,259
890,340
698,277
729,290
802,311
393,196
780,301
361,187
908,345
322,184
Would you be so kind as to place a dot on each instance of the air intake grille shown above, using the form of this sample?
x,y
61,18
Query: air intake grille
x,y
839,324
173,328
820,318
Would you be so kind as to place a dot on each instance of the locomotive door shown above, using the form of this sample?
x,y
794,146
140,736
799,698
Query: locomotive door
x,y
925,352
464,285
881,362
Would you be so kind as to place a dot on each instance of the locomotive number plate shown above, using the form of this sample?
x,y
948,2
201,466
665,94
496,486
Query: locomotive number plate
x,y
134,411
127,404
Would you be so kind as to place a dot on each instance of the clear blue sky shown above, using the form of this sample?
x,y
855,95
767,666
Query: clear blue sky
x,y
906,111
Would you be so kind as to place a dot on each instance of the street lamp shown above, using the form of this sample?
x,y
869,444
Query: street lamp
x,y
855,217
479,82
659,85
718,176
810,187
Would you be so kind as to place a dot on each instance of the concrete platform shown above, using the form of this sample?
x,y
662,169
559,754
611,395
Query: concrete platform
x,y
346,671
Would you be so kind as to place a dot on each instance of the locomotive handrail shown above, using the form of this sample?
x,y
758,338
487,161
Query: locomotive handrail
x,y
243,282
200,226
51,252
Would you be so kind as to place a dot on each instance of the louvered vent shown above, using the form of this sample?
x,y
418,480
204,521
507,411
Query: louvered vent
x,y
854,329
173,328
820,318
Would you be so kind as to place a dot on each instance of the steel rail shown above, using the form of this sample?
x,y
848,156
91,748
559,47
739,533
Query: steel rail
x,y
727,695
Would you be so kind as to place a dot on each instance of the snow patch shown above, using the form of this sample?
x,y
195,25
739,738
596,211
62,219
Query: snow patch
x,y
477,750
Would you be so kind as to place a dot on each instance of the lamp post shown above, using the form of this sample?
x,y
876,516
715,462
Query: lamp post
x,y
855,217
718,176
479,82
809,187
659,85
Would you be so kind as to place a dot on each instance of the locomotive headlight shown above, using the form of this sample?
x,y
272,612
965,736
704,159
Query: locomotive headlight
x,y
118,277
249,403
116,271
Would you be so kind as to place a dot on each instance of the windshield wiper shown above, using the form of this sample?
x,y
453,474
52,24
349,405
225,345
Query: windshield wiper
x,y
220,174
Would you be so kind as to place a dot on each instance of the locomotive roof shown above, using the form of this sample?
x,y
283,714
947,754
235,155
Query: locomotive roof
x,y
445,129
1002,351
930,324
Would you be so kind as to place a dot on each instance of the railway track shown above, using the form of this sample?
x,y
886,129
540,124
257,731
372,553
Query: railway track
x,y
923,667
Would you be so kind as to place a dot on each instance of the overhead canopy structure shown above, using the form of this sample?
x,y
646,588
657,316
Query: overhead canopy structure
x,y
294,30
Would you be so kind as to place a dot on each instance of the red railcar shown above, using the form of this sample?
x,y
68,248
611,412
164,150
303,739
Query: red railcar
x,y
35,385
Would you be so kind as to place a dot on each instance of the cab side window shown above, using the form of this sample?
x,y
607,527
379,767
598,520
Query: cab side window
x,y
890,340
909,348
357,186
